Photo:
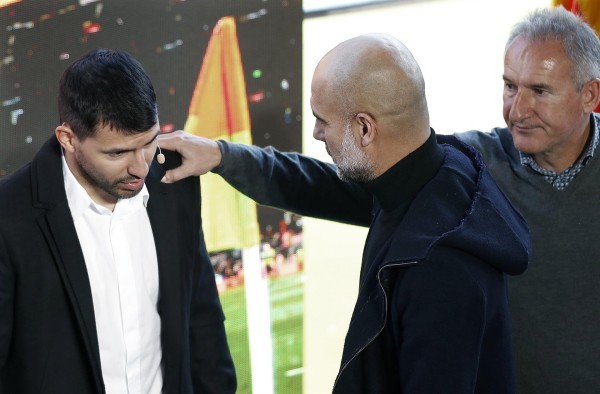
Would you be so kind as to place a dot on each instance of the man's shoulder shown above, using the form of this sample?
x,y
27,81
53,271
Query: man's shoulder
x,y
16,181
492,138
491,144
15,196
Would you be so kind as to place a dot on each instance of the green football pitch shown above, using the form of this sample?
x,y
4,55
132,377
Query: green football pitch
x,y
286,299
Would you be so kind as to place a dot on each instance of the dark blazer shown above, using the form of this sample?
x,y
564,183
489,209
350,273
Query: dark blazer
x,y
48,338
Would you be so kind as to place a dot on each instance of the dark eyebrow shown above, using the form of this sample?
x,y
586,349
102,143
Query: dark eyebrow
x,y
540,86
318,117
155,137
121,150
116,150
535,86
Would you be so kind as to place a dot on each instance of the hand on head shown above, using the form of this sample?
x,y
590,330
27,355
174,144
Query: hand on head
x,y
199,155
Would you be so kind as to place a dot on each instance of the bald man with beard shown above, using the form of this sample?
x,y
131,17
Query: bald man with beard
x,y
431,314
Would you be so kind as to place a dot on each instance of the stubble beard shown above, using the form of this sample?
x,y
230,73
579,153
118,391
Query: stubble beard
x,y
353,164
95,178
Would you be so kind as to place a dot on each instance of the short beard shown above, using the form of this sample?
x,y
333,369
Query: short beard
x,y
111,188
353,164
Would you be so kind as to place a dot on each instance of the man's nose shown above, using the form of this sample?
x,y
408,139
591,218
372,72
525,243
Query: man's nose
x,y
520,106
318,134
138,166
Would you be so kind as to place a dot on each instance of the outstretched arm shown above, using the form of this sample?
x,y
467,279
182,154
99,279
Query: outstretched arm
x,y
284,180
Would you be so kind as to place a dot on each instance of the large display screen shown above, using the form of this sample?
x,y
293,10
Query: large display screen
x,y
170,37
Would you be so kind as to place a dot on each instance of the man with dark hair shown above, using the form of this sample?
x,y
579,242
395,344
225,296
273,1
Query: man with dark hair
x,y
432,311
105,282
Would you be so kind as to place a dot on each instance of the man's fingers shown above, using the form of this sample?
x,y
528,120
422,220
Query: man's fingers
x,y
199,155
174,175
170,141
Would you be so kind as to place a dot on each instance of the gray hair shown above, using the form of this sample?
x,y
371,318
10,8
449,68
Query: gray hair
x,y
579,41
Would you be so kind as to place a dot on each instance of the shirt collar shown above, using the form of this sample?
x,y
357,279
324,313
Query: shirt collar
x,y
79,200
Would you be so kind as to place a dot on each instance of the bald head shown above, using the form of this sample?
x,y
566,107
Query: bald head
x,y
376,73
368,97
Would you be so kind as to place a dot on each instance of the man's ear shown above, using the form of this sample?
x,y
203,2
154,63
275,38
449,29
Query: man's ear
x,y
65,137
591,95
368,128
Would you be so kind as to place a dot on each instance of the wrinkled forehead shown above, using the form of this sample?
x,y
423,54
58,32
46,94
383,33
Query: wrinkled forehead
x,y
522,48
543,56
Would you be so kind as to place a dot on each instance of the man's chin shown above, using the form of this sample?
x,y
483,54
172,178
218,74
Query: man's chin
x,y
524,143
525,147
356,177
124,193
342,176
129,194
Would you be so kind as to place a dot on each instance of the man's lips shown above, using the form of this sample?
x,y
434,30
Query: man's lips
x,y
135,184
521,128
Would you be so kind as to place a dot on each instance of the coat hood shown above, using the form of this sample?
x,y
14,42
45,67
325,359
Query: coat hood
x,y
489,227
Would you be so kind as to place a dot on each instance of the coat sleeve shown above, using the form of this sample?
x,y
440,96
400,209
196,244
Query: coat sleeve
x,y
294,182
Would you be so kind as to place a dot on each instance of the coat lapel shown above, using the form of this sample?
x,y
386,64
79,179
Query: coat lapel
x,y
59,231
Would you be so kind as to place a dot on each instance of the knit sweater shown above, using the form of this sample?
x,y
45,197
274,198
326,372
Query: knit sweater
x,y
554,305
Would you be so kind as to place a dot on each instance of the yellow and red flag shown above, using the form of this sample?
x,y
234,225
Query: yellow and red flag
x,y
219,110
588,9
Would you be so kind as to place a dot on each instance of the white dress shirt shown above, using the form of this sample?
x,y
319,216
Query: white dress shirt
x,y
122,267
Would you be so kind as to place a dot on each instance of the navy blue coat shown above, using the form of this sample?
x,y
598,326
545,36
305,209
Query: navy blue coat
x,y
432,311
48,338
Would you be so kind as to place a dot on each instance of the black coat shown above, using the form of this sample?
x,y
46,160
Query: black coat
x,y
432,310
48,338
